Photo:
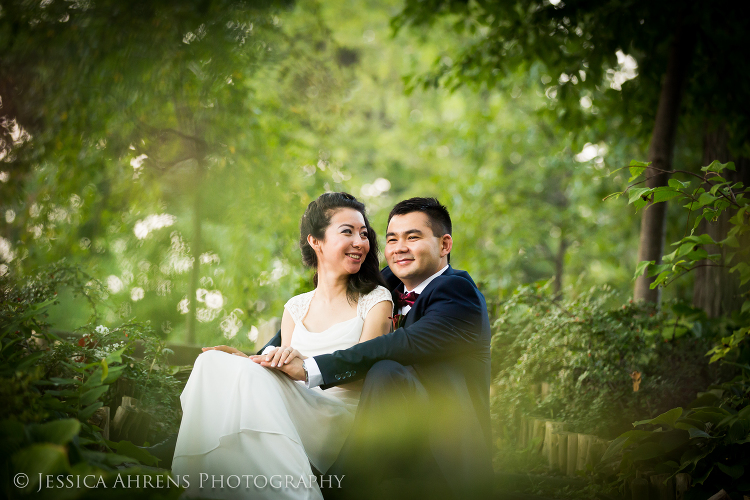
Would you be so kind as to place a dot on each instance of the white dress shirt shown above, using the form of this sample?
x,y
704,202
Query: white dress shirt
x,y
315,378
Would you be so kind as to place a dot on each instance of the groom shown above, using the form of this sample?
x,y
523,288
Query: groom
x,y
423,420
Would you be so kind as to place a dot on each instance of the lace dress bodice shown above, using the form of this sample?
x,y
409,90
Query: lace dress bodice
x,y
339,336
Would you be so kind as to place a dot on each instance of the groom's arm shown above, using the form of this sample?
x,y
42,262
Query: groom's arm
x,y
451,325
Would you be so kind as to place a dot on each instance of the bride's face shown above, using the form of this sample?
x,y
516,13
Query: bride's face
x,y
345,245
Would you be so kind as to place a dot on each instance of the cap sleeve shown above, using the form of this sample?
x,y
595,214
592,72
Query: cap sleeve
x,y
298,306
367,302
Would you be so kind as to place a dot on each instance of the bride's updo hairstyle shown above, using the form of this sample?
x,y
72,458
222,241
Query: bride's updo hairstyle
x,y
316,220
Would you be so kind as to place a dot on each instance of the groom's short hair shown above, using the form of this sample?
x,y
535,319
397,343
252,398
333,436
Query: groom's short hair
x,y
438,217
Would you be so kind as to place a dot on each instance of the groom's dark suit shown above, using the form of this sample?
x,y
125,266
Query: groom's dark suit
x,y
445,340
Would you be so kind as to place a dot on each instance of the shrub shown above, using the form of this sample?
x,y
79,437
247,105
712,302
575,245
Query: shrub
x,y
590,353
52,386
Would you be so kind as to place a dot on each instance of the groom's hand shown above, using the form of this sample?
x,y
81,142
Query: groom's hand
x,y
293,369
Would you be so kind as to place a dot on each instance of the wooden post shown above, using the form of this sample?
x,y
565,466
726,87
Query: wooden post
x,y
517,426
552,452
139,431
129,402
100,418
595,451
639,489
529,431
583,444
121,423
562,451
682,484
545,390
534,390
721,495
550,428
572,454
660,489
539,428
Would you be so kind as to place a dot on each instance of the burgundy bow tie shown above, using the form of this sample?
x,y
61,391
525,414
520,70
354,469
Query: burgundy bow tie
x,y
407,298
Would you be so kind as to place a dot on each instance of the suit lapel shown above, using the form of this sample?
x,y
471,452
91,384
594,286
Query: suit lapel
x,y
394,283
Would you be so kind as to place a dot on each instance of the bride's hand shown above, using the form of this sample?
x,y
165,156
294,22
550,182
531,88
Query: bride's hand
x,y
282,355
225,348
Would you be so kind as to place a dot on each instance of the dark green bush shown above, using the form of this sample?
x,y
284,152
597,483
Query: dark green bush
x,y
588,352
51,386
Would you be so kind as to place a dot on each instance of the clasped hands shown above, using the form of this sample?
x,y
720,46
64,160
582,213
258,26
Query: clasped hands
x,y
284,359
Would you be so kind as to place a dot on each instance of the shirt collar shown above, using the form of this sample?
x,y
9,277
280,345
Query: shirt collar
x,y
419,288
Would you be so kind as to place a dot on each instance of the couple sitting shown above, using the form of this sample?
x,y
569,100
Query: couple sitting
x,y
382,399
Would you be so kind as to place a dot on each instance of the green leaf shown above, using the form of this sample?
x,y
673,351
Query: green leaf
x,y
674,183
40,459
90,396
105,370
95,379
654,270
130,450
699,254
731,241
697,433
642,265
635,172
717,167
667,418
706,199
744,271
734,471
116,356
636,163
29,360
646,451
114,374
700,479
637,193
65,381
738,431
56,431
89,411
625,439
664,194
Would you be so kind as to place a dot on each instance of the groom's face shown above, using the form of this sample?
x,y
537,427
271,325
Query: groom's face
x,y
413,251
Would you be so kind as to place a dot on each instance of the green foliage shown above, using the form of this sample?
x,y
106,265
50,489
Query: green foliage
x,y
52,386
708,440
323,109
712,197
590,350
582,49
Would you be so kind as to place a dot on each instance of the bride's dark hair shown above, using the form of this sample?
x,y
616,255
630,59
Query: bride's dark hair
x,y
316,220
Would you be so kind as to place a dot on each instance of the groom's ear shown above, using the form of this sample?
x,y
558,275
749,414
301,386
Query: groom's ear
x,y
446,244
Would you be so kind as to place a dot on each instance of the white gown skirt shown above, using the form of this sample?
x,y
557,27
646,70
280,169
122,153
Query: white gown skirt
x,y
251,432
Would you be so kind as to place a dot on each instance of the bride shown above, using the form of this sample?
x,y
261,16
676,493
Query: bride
x,y
251,432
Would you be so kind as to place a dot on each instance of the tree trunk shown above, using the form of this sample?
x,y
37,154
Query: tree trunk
x,y
716,290
560,265
195,250
197,149
653,221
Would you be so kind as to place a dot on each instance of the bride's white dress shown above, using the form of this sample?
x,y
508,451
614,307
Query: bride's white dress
x,y
251,432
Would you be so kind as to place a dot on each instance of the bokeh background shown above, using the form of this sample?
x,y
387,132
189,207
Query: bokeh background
x,y
156,157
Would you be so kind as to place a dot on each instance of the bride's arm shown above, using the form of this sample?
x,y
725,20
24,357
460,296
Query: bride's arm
x,y
279,355
377,322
